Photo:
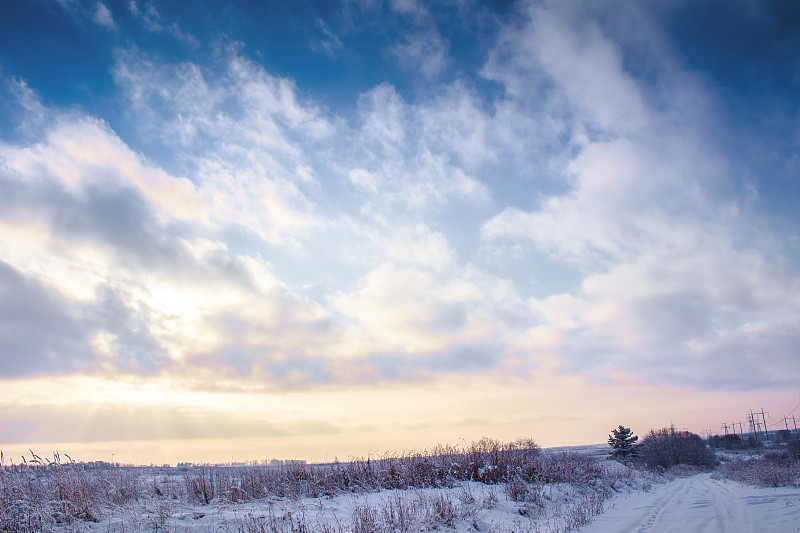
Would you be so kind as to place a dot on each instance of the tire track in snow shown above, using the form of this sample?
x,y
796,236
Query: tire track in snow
x,y
699,504
661,503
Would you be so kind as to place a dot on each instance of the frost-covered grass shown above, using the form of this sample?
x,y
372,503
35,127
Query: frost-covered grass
x,y
771,467
488,486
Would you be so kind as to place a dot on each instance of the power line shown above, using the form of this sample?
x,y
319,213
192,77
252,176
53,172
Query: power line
x,y
795,409
757,422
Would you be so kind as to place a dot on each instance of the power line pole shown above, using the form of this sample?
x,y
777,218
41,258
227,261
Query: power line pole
x,y
725,427
672,443
733,425
764,417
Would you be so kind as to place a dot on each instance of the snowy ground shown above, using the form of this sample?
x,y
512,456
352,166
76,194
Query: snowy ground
x,y
699,503
696,503
573,494
468,507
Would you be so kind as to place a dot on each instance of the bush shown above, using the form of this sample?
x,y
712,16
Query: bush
x,y
793,449
666,448
734,442
774,469
727,442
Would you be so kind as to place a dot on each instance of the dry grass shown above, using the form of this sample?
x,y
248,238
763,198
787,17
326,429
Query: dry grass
x,y
566,490
773,469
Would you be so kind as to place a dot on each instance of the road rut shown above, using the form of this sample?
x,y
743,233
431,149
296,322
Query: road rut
x,y
700,504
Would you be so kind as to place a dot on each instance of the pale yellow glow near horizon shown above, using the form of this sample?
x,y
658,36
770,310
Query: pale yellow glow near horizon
x,y
318,425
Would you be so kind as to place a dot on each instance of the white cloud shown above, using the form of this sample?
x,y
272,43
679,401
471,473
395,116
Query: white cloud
x,y
411,8
364,179
138,241
385,120
151,18
34,112
704,316
82,152
103,17
425,52
626,195
561,225
414,245
589,68
406,157
329,43
113,241
415,311
267,143
455,123
294,246
242,136
675,269
152,21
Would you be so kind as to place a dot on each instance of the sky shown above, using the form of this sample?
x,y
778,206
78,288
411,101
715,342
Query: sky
x,y
239,230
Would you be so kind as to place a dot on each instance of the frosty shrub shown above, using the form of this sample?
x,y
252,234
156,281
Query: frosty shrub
x,y
401,514
441,510
793,449
561,468
774,469
36,496
517,489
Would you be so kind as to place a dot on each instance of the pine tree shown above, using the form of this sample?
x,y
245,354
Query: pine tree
x,y
623,443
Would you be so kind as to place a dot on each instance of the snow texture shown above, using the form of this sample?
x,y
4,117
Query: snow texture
x,y
699,503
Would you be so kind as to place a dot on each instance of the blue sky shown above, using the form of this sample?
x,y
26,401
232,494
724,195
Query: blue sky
x,y
230,228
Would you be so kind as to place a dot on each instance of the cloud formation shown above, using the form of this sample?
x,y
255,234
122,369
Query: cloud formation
x,y
537,197
103,17
674,267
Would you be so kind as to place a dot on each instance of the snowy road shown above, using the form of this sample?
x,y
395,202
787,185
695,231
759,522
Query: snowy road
x,y
699,504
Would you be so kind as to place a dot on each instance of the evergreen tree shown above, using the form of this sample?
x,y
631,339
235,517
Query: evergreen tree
x,y
623,443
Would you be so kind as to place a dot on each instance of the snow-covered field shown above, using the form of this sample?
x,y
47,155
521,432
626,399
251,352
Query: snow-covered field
x,y
470,506
552,492
466,506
